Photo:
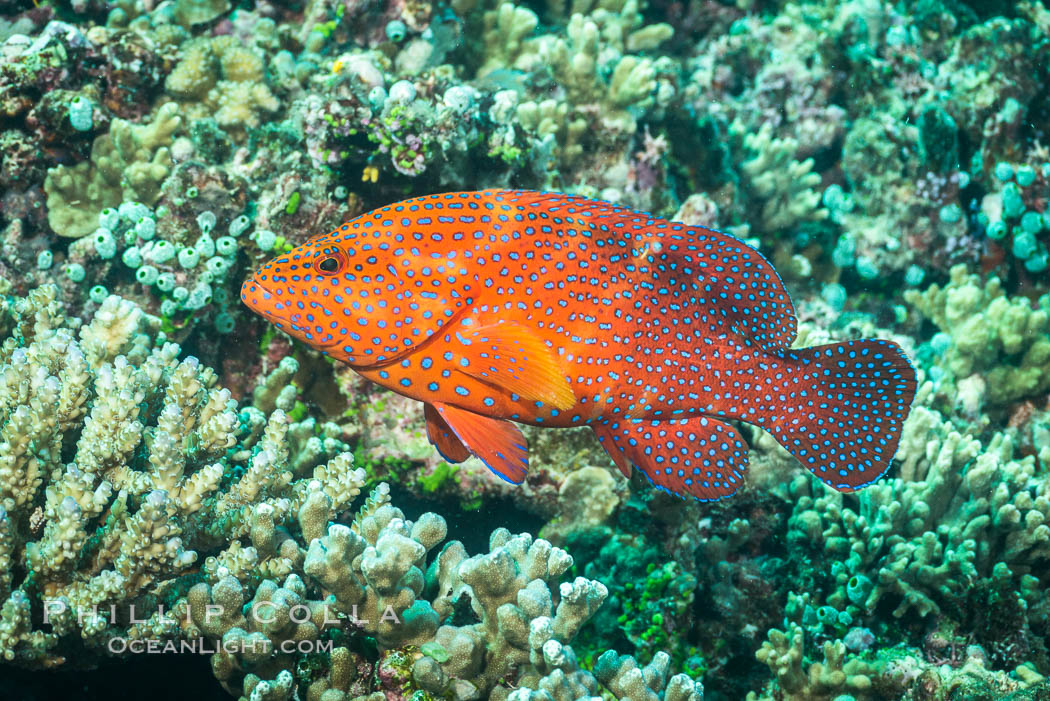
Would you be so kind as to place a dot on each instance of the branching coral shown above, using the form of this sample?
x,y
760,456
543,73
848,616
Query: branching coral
x,y
114,472
995,349
372,578
129,163
959,538
505,30
602,82
222,78
620,674
830,679
783,185
120,464
577,66
960,516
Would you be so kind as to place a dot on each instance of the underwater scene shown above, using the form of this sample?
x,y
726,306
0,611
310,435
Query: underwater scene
x,y
527,350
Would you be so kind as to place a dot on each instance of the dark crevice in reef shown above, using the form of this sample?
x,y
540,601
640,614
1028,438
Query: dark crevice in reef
x,y
472,528
125,678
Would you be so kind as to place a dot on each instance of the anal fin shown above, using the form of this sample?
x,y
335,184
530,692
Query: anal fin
x,y
700,457
498,443
442,438
510,356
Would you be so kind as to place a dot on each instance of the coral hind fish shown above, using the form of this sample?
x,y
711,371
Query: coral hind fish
x,y
502,307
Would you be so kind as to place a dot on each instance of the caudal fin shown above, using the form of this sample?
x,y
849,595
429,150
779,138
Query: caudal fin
x,y
842,407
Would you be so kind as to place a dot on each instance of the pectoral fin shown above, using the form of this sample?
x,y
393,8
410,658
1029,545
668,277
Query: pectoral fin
x,y
498,443
510,356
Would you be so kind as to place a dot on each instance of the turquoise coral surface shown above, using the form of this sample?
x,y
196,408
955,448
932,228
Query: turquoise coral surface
x,y
175,471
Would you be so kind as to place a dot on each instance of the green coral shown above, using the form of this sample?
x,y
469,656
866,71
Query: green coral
x,y
652,597
994,348
441,474
660,598
782,184
961,517
129,163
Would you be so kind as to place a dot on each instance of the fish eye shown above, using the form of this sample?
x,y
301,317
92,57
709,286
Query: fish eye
x,y
328,265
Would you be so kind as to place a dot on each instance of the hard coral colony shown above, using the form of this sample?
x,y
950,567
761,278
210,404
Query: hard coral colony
x,y
262,495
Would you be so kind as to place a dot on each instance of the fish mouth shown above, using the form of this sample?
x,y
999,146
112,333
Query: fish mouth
x,y
262,310
252,280
289,322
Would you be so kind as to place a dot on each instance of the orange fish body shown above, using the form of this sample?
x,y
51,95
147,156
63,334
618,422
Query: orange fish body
x,y
498,307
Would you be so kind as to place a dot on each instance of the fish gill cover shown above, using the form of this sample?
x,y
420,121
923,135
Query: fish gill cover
x,y
181,480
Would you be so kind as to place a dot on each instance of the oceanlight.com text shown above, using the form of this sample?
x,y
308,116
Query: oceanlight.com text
x,y
201,646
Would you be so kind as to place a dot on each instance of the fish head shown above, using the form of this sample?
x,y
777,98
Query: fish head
x,y
361,299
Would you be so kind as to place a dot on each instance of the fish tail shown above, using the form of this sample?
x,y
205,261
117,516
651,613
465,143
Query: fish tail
x,y
841,409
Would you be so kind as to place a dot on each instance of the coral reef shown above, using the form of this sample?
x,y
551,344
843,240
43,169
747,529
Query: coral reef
x,y
161,447
165,466
127,164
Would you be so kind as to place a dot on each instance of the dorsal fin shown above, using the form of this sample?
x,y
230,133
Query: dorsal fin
x,y
747,290
730,278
